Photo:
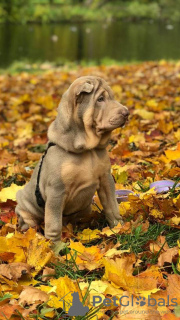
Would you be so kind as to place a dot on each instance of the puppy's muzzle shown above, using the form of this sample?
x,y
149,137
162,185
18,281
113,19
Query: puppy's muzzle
x,y
125,112
120,118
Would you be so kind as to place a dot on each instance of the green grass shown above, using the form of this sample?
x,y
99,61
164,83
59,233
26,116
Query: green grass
x,y
40,67
63,65
137,242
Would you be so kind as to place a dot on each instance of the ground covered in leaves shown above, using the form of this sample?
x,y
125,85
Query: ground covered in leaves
x,y
136,262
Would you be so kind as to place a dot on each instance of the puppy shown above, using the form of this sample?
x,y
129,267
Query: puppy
x,y
76,163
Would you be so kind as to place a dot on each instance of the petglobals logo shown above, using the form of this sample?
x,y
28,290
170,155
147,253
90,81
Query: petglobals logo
x,y
75,308
72,306
126,301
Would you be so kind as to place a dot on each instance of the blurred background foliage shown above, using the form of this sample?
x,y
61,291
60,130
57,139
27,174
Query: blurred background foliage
x,y
87,32
43,11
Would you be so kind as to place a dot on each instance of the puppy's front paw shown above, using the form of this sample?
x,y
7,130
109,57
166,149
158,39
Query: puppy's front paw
x,y
113,222
58,246
22,226
25,227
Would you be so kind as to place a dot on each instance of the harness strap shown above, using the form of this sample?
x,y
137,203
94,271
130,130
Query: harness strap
x,y
39,198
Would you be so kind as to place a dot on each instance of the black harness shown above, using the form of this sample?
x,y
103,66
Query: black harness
x,y
39,198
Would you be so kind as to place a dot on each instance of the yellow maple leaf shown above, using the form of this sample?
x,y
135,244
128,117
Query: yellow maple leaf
x,y
176,201
97,287
125,228
175,220
17,243
137,138
24,131
120,173
39,253
117,90
85,258
173,154
148,193
3,142
124,208
61,296
29,247
177,134
156,213
165,126
3,244
34,80
119,273
113,291
9,192
87,235
144,114
152,103
178,264
46,101
164,159
114,252
147,197
97,202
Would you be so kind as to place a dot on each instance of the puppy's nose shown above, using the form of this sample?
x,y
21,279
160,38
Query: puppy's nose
x,y
125,112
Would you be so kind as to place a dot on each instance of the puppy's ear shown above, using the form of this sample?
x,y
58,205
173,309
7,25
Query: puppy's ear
x,y
85,87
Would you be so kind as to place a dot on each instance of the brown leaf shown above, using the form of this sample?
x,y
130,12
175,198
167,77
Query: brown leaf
x,y
14,270
31,295
159,244
48,273
167,256
7,311
7,256
173,288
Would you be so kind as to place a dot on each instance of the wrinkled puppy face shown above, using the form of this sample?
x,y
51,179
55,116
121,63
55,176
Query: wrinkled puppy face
x,y
109,114
94,109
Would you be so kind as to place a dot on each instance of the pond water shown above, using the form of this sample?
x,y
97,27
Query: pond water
x,y
122,41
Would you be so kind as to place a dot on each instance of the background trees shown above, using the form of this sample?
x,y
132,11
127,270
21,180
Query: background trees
x,y
86,10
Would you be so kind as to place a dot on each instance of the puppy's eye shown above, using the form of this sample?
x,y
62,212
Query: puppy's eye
x,y
100,99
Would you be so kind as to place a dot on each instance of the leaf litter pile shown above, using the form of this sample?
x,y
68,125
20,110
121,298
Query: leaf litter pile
x,y
138,260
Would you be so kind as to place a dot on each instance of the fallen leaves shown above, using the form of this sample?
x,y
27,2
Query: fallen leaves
x,y
39,253
144,114
174,287
119,229
97,260
119,272
31,295
173,154
7,311
9,192
88,235
14,270
85,258
167,256
132,311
